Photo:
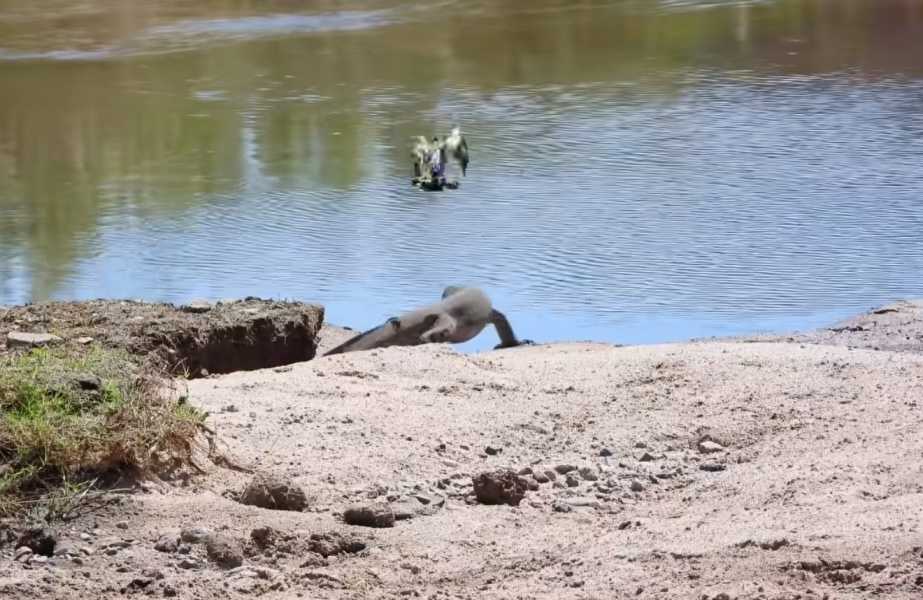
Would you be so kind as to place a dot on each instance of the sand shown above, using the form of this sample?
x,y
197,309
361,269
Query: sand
x,y
779,467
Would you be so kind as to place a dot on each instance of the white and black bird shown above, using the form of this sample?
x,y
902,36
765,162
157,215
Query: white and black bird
x,y
457,148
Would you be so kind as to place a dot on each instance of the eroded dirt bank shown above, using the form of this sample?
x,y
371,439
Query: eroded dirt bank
x,y
721,469
194,339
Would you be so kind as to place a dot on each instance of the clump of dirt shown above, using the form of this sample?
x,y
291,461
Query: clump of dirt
x,y
842,572
274,492
282,543
224,551
377,514
332,543
765,545
193,340
503,486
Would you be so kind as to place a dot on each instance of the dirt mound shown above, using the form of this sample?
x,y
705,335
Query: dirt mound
x,y
194,339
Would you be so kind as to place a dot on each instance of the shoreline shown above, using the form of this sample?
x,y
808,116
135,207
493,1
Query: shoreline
x,y
878,327
896,325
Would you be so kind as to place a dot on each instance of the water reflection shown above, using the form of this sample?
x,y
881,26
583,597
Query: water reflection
x,y
727,160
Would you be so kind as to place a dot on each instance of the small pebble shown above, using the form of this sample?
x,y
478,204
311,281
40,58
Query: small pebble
x,y
709,447
712,467
588,473
22,554
637,486
166,543
583,502
224,551
194,535
370,515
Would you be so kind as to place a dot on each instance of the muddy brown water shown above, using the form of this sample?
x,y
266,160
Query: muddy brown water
x,y
641,171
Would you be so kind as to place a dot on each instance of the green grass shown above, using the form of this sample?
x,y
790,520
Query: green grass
x,y
67,415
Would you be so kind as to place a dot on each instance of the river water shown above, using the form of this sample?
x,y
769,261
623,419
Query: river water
x,y
641,171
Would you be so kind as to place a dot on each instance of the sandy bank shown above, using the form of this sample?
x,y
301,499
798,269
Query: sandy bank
x,y
781,468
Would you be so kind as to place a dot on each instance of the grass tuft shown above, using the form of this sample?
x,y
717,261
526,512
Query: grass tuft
x,y
67,415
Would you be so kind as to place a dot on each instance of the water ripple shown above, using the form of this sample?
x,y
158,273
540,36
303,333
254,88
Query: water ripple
x,y
193,33
271,25
590,211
